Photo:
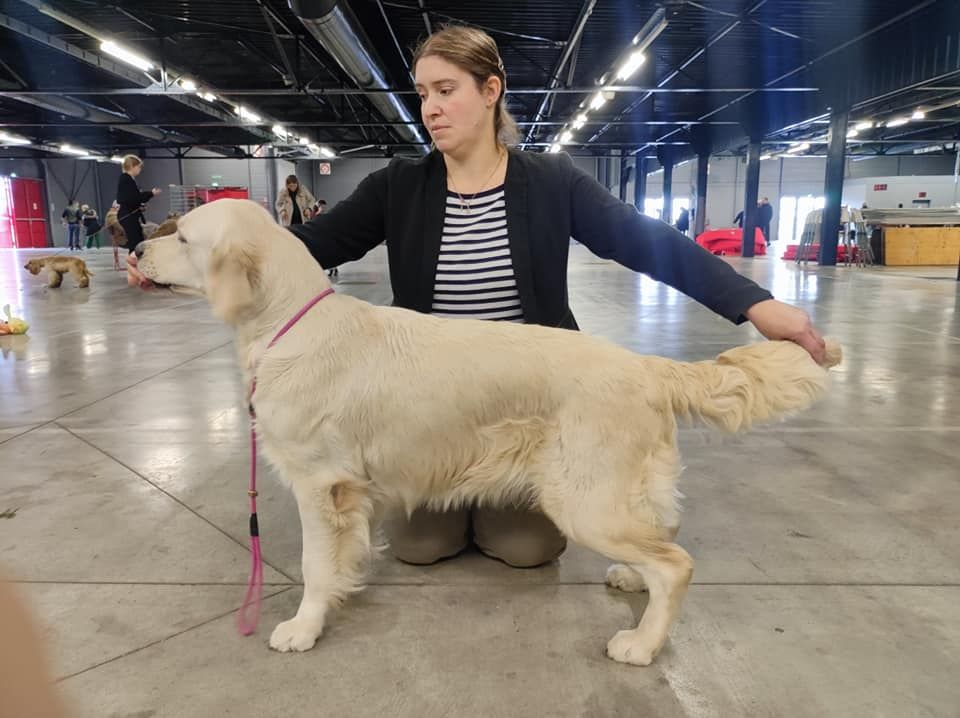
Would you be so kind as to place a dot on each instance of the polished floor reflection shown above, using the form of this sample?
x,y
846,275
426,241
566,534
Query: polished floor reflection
x,y
828,549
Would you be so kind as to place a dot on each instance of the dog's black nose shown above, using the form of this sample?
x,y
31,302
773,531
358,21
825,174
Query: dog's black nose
x,y
138,250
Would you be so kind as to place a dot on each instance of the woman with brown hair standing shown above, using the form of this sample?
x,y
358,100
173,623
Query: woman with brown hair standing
x,y
294,203
131,201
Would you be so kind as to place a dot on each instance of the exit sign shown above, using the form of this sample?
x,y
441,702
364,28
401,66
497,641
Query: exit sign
x,y
879,188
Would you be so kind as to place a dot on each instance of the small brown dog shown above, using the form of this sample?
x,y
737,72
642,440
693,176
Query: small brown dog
x,y
57,266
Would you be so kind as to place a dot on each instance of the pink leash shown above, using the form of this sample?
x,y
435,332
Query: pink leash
x,y
248,624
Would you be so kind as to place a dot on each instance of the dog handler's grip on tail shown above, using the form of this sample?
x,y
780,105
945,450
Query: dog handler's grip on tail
x,y
755,383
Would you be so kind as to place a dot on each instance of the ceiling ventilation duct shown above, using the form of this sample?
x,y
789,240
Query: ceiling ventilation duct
x,y
337,29
84,111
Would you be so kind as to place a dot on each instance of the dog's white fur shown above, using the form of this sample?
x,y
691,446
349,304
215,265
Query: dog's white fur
x,y
361,406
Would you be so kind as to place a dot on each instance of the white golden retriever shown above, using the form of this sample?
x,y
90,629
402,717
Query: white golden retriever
x,y
361,407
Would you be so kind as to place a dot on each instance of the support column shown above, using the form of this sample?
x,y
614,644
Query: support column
x,y
640,183
700,221
750,198
666,156
833,186
272,180
625,172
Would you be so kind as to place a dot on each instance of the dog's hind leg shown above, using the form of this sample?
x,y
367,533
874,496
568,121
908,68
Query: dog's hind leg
x,y
335,517
622,577
80,276
629,515
55,279
663,567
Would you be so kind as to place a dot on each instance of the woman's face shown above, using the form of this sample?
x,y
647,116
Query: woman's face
x,y
455,111
135,170
292,186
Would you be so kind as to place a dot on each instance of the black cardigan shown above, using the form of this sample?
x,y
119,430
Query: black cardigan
x,y
548,200
129,196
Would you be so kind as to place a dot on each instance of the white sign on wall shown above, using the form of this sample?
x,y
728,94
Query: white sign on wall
x,y
325,168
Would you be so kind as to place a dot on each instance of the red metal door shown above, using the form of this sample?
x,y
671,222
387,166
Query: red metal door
x,y
28,213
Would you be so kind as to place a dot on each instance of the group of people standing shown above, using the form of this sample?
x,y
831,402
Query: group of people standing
x,y
77,216
295,205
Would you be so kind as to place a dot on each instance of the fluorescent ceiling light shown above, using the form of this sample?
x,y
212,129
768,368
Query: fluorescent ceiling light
x,y
566,137
898,122
865,125
580,121
555,147
327,152
803,147
247,114
73,150
188,85
280,131
765,157
8,139
117,158
127,56
597,101
630,65
853,133
208,96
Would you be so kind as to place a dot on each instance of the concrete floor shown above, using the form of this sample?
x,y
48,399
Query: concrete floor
x,y
827,548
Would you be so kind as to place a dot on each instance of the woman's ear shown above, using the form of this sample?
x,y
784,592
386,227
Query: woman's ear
x,y
492,89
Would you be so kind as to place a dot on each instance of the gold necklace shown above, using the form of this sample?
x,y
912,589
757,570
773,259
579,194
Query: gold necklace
x,y
465,204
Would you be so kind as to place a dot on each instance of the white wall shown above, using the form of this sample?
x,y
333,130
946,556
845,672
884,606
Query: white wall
x,y
906,190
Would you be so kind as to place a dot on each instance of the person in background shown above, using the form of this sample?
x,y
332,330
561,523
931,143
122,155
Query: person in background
x,y
132,201
738,220
294,203
91,225
71,219
764,218
683,221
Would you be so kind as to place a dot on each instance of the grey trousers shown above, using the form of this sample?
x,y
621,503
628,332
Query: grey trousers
x,y
519,537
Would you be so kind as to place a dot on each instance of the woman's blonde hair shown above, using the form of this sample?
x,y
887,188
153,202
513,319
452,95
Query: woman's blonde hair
x,y
475,52
131,161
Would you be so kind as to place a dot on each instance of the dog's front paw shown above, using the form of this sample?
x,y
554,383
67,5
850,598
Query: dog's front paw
x,y
297,634
625,578
630,647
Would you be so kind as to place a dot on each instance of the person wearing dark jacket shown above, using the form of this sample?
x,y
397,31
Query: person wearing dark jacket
x,y
131,201
91,225
764,218
478,229
683,221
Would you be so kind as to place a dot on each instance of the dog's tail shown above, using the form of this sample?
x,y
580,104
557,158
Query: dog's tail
x,y
86,272
749,384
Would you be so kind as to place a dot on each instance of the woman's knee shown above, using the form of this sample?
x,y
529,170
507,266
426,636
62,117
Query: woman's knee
x,y
427,536
520,538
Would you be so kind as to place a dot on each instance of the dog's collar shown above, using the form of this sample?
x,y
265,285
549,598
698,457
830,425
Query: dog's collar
x,y
299,315
247,625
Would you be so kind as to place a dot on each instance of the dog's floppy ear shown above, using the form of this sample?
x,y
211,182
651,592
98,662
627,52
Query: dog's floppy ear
x,y
233,279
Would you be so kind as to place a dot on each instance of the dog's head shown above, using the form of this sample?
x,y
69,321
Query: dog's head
x,y
34,266
216,250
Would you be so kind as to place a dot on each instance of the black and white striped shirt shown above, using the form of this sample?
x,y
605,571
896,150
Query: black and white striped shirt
x,y
475,275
